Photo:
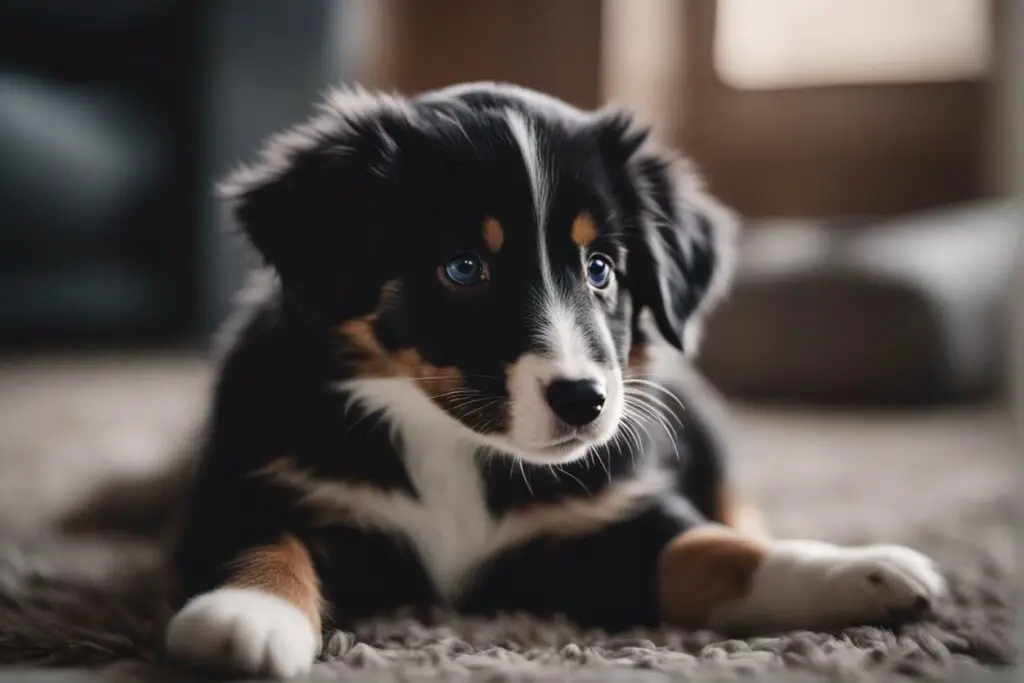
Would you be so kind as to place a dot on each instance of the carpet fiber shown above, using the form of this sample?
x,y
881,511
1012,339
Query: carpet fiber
x,y
941,481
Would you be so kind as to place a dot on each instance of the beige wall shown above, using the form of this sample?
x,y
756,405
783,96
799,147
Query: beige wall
x,y
642,56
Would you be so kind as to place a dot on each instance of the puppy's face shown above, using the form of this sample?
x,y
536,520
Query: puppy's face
x,y
484,253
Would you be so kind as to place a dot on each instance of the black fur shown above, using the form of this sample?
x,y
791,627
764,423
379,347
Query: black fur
x,y
377,190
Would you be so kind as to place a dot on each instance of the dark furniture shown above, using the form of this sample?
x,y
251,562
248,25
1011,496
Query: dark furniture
x,y
116,117
99,168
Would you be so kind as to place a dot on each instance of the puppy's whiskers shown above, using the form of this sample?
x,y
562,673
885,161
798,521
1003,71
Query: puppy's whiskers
x,y
571,476
463,402
603,461
658,412
631,431
456,392
652,384
522,471
627,436
486,425
647,409
379,414
647,415
486,406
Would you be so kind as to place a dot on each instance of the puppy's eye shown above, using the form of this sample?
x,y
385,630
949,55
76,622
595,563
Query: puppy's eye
x,y
465,270
599,271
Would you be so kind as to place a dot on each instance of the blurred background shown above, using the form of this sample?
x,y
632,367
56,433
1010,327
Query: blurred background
x,y
873,147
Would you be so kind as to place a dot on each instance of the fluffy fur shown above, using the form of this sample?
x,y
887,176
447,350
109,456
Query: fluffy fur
x,y
458,382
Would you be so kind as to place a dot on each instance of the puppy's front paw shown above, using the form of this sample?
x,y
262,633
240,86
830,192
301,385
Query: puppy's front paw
x,y
880,582
243,631
811,585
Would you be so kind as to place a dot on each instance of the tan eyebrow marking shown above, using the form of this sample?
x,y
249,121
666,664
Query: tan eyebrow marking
x,y
583,230
494,235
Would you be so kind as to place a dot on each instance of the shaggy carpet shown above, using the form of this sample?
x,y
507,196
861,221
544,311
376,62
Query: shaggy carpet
x,y
942,481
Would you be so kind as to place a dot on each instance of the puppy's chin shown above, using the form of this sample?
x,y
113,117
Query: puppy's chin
x,y
556,451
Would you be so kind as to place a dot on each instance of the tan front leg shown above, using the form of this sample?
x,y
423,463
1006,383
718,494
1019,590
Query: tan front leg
x,y
286,570
704,569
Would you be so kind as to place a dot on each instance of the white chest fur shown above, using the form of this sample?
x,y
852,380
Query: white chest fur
x,y
452,529
448,522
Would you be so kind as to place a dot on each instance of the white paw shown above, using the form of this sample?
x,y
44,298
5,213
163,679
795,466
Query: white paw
x,y
243,631
883,581
812,585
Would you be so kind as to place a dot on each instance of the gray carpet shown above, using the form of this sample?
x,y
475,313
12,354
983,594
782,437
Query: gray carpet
x,y
942,481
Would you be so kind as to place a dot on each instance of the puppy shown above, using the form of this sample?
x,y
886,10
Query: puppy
x,y
458,382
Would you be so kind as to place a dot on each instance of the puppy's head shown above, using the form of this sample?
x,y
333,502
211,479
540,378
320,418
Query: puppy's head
x,y
483,254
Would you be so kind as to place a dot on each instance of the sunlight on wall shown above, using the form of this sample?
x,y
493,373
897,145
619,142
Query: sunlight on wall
x,y
797,43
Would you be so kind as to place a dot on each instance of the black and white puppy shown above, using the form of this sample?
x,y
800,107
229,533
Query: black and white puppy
x,y
450,389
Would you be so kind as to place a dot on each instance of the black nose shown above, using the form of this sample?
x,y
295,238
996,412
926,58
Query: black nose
x,y
576,402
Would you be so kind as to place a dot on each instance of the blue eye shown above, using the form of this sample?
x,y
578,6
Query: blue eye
x,y
599,271
465,270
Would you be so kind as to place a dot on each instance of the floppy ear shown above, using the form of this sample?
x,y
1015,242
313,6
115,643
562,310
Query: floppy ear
x,y
683,242
317,201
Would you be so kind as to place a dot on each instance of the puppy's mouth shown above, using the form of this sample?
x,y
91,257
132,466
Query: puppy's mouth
x,y
561,442
562,445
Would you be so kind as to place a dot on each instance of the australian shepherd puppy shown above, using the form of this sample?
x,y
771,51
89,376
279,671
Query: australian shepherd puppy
x,y
459,384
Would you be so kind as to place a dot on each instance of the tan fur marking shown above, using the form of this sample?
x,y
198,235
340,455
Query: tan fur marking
x,y
733,510
433,379
494,235
376,361
704,569
284,569
638,358
359,331
372,360
583,230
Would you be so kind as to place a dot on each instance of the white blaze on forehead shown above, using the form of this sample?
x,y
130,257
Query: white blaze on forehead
x,y
560,332
558,329
526,138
